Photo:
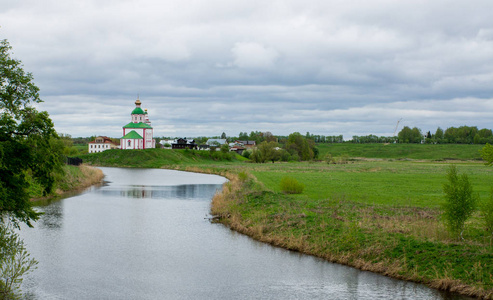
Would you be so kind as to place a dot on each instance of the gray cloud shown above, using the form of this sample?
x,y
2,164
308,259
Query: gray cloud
x,y
201,68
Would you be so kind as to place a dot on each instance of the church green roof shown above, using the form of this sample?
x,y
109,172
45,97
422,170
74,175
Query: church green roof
x,y
138,111
137,125
132,135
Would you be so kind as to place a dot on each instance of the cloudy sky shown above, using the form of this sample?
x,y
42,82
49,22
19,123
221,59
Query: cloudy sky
x,y
201,67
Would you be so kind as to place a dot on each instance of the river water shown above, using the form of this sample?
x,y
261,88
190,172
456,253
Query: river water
x,y
146,235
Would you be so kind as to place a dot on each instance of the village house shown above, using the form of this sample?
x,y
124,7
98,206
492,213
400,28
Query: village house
x,y
138,134
166,144
102,143
238,148
246,144
184,144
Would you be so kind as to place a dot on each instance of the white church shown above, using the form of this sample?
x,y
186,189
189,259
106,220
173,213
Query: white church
x,y
138,133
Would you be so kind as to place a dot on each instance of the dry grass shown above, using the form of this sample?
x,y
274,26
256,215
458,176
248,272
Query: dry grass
x,y
91,177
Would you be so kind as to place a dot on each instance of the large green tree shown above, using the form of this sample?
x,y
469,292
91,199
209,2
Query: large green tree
x,y
408,135
300,146
26,140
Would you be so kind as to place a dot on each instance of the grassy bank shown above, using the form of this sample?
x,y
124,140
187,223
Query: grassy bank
x,y
382,216
159,158
352,215
73,179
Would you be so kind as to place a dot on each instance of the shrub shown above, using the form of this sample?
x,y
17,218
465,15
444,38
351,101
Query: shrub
x,y
225,148
246,154
285,156
294,157
460,201
290,185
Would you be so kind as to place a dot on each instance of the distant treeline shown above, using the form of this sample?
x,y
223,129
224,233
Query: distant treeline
x,y
452,135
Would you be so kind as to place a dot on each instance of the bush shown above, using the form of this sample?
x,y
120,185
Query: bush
x,y
225,148
294,157
460,201
290,185
246,153
285,156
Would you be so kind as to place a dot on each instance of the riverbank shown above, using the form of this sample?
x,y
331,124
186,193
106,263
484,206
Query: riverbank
x,y
74,180
406,243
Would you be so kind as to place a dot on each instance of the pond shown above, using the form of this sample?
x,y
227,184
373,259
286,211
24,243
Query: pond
x,y
146,234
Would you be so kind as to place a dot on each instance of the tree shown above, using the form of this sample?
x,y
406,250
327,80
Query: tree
x,y
269,137
487,154
299,145
266,151
14,262
408,135
460,201
243,136
223,135
439,135
26,141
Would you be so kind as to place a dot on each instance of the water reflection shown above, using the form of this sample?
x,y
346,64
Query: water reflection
x,y
148,239
53,216
183,192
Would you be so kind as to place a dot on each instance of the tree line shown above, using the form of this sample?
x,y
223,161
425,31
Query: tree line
x,y
452,135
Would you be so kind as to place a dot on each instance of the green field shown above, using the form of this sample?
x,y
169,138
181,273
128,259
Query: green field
x,y
403,151
380,212
375,182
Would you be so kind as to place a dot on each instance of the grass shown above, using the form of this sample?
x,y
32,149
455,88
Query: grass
x,y
82,149
376,214
374,182
403,151
74,178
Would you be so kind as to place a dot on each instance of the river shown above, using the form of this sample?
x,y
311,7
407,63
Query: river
x,y
146,234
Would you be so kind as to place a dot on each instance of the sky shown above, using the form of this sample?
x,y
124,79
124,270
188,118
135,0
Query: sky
x,y
201,68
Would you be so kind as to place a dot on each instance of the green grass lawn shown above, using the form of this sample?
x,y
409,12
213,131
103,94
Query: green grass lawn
x,y
400,183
